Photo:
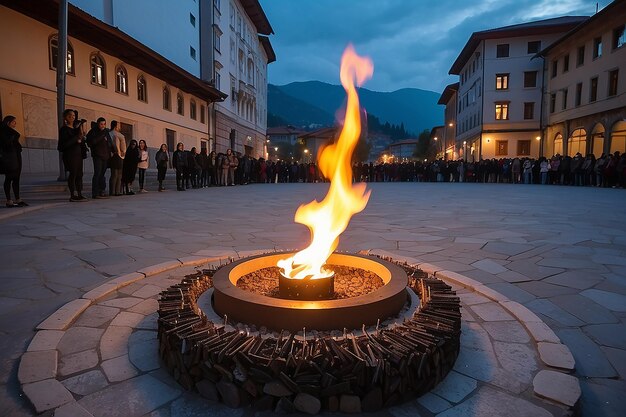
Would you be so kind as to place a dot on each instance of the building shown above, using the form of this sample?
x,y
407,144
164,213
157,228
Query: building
x,y
401,151
242,52
438,141
281,141
585,98
447,145
110,74
499,93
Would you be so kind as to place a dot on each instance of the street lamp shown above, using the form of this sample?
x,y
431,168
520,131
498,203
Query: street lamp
x,y
465,150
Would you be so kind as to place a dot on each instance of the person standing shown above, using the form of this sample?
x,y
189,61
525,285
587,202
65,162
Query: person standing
x,y
118,145
161,158
99,142
74,150
144,161
179,162
233,163
129,170
11,161
203,160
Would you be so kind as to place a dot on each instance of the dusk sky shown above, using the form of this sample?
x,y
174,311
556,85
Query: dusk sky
x,y
413,43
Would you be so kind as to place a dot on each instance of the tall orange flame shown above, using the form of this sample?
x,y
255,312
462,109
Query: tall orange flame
x,y
330,217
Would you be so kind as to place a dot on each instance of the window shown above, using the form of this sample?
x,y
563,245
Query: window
x,y
529,111
121,80
523,147
53,54
552,102
192,20
597,48
98,70
217,78
502,81
502,110
202,114
167,99
566,63
619,37
530,79
580,57
555,67
502,147
142,89
613,82
579,94
593,89
180,104
564,103
502,50
217,33
192,109
533,47
192,52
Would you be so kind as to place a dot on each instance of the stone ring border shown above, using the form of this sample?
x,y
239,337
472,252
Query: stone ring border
x,y
61,320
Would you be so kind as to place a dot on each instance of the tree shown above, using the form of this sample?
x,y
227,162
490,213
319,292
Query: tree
x,y
425,149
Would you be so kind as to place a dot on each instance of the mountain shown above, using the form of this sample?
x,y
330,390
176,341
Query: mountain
x,y
295,111
417,109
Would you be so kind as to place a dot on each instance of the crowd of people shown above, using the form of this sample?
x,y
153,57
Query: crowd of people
x,y
110,151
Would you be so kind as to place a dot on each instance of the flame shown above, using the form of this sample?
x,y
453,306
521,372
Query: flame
x,y
330,217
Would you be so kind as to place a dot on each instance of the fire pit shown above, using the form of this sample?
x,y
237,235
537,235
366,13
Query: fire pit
x,y
240,363
294,314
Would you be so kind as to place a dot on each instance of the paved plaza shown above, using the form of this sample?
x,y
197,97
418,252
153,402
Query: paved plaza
x,y
559,251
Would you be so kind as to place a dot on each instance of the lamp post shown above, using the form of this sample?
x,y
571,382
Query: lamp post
x,y
465,150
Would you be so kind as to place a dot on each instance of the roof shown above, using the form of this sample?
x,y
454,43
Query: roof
x,y
269,51
283,130
433,131
257,15
539,27
110,40
615,7
448,92
404,142
325,133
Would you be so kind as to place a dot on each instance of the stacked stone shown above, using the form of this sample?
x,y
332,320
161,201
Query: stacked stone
x,y
289,372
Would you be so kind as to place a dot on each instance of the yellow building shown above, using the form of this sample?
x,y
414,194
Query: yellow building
x,y
110,75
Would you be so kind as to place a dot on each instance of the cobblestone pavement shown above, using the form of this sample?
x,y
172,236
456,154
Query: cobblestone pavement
x,y
560,251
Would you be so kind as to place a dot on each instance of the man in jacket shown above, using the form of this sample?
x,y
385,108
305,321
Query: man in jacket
x,y
100,144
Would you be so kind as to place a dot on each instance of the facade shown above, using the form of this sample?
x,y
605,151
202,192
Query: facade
x,y
446,137
315,140
401,151
499,94
283,135
242,52
585,100
110,74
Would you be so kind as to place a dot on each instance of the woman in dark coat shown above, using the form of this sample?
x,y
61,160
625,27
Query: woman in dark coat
x,y
73,148
162,158
11,150
129,169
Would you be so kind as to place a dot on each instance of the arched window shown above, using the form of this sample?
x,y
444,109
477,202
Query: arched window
x,y
167,99
98,70
53,54
192,109
121,80
142,89
180,104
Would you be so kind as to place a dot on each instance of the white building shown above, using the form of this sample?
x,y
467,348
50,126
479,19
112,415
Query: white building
x,y
585,98
110,74
242,52
499,96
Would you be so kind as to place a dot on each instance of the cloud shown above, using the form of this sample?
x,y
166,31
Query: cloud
x,y
413,43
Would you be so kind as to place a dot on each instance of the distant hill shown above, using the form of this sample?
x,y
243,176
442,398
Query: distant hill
x,y
417,109
295,111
